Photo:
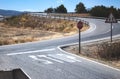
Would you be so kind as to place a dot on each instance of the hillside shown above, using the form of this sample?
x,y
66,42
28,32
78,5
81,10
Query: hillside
x,y
25,28
9,12
41,23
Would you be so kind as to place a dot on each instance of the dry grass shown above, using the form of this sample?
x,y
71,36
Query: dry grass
x,y
102,51
13,35
26,28
41,23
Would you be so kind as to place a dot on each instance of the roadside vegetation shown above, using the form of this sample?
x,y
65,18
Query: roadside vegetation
x,y
26,28
103,11
59,9
41,23
102,51
96,11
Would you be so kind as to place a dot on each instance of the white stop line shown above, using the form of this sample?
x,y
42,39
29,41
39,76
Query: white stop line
x,y
27,52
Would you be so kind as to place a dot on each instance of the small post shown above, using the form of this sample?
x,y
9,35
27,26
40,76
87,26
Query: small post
x,y
79,41
111,31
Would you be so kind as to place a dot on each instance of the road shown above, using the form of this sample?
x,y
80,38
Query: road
x,y
43,60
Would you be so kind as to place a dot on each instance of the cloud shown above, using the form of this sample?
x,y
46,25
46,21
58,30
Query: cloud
x,y
31,10
59,1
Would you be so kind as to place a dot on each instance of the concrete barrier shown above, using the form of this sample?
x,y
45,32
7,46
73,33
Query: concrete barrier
x,y
13,74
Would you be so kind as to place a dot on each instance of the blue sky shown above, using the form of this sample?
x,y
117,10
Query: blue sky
x,y
41,5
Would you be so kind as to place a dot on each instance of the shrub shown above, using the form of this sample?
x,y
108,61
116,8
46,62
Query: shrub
x,y
109,50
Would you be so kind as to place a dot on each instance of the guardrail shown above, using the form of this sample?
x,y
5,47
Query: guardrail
x,y
57,16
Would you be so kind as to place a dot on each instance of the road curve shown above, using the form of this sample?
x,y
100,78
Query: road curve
x,y
43,60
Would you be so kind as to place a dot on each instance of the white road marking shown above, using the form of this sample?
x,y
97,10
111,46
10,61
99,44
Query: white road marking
x,y
19,53
26,74
73,58
42,60
64,57
91,29
50,58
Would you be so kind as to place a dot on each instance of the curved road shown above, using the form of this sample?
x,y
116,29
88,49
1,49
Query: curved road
x,y
43,60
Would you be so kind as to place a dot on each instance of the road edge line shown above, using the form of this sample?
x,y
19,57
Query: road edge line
x,y
26,74
92,28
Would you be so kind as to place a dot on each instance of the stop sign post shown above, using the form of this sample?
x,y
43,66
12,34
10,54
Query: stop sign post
x,y
79,26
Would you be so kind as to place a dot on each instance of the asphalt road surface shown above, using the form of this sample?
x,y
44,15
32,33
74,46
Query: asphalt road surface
x,y
43,60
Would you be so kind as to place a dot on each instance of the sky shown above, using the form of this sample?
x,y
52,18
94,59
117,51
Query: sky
x,y
41,5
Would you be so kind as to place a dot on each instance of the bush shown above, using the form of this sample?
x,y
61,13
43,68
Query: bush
x,y
109,51
102,50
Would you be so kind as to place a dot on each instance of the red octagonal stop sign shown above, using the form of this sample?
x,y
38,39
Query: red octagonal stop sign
x,y
80,25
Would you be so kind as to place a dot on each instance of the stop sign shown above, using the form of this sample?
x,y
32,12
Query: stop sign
x,y
79,25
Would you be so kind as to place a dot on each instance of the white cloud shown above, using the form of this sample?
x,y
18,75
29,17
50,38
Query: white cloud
x,y
59,1
31,10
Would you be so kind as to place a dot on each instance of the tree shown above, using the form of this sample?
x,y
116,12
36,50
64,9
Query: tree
x,y
102,11
80,8
60,9
119,13
49,10
114,11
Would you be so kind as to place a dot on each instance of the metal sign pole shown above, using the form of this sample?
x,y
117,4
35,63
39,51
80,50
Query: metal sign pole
x,y
80,25
111,31
111,19
79,41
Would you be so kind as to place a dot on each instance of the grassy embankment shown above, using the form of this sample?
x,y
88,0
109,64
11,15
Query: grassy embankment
x,y
25,28
101,51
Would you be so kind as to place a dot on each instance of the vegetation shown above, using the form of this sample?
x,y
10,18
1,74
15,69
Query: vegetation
x,y
59,9
80,8
41,23
102,51
98,11
109,51
49,10
26,28
102,11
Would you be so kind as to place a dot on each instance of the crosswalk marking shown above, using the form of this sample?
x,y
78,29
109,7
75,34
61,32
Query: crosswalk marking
x,y
42,60
52,58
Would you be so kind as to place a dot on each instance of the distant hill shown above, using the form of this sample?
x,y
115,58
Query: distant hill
x,y
9,12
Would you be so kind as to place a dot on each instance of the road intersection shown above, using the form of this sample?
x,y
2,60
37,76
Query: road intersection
x,y
43,59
